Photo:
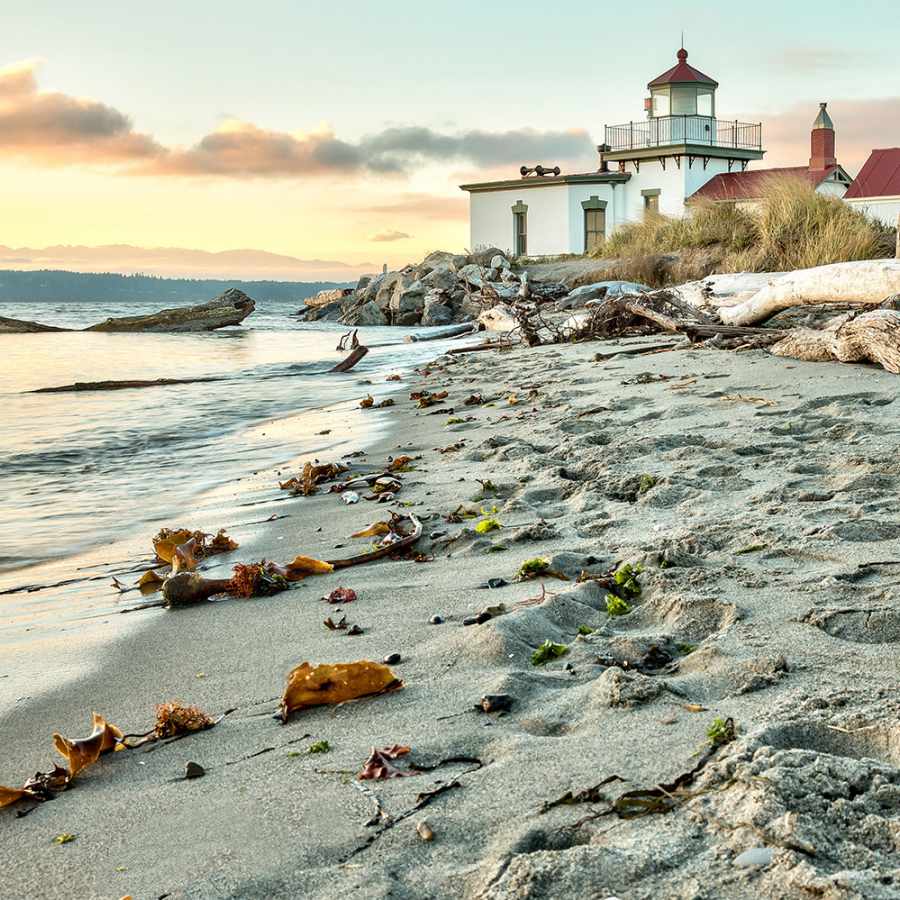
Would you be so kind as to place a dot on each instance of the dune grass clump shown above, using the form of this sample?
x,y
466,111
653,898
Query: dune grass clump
x,y
790,227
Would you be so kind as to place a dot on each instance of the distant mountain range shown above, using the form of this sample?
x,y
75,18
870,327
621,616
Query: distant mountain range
x,y
178,262
60,286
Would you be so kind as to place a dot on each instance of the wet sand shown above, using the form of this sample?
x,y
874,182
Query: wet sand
x,y
769,534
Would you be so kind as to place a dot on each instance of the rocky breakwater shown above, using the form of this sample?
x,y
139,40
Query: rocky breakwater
x,y
443,289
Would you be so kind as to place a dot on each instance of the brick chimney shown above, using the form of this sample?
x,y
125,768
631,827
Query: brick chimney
x,y
822,142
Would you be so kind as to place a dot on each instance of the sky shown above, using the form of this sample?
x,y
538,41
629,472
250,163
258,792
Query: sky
x,y
335,136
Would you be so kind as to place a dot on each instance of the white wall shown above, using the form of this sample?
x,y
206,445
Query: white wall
x,y
885,209
674,184
555,216
492,225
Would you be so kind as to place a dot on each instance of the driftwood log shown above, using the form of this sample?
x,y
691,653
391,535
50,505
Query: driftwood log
x,y
862,283
229,308
23,326
347,364
872,336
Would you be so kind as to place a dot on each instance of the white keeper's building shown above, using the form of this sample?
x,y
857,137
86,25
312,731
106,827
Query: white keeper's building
x,y
653,165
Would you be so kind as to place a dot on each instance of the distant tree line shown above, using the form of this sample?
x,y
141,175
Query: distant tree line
x,y
59,286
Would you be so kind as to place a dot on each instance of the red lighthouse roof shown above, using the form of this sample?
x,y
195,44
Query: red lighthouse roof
x,y
682,73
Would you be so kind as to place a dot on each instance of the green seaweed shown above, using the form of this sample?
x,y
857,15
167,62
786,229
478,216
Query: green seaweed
x,y
647,482
625,578
547,651
685,649
616,606
319,747
750,548
454,420
531,567
721,731
586,630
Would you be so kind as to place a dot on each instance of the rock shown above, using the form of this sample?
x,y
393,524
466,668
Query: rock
x,y
499,261
472,275
22,326
755,856
441,258
618,289
363,283
229,308
194,770
436,620
323,298
437,314
483,256
370,290
385,292
367,314
443,278
392,659
407,303
496,703
331,312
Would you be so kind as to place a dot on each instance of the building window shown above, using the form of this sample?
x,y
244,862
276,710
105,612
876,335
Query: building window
x,y
594,223
520,228
651,202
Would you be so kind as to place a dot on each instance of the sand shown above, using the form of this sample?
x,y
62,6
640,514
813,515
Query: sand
x,y
770,538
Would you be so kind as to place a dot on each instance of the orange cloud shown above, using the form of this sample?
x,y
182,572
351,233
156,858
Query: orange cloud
x,y
57,129
384,237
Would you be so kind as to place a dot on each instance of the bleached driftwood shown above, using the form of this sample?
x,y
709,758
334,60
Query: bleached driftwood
x,y
864,282
728,289
498,318
857,337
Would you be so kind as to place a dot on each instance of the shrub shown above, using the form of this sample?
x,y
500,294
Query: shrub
x,y
791,227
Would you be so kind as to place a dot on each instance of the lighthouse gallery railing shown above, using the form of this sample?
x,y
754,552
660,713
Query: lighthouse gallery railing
x,y
662,131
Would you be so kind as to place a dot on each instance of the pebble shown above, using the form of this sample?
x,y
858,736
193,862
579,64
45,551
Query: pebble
x,y
470,620
392,659
354,629
436,620
494,583
497,702
755,856
194,770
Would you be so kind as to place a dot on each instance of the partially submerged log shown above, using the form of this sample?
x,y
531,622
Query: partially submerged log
x,y
23,326
346,365
872,336
863,283
119,385
439,334
229,308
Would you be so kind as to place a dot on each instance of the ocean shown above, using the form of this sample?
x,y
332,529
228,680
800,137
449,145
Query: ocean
x,y
81,469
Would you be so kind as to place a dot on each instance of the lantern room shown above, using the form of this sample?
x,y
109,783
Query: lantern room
x,y
682,91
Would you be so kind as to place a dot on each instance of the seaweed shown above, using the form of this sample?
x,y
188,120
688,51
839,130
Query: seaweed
x,y
548,651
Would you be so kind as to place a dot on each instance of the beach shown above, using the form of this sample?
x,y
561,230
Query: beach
x,y
754,498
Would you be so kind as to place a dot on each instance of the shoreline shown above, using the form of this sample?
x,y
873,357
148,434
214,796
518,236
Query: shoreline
x,y
767,493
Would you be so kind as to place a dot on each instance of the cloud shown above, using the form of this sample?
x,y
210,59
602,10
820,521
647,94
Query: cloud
x,y
860,126
384,237
56,128
424,206
243,150
59,129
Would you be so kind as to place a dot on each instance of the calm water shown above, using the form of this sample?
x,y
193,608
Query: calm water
x,y
77,469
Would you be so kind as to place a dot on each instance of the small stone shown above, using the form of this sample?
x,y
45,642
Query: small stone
x,y
755,856
354,629
392,659
470,620
494,583
436,620
497,702
194,770
424,830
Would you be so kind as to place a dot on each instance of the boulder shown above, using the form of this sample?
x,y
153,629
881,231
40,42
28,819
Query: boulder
x,y
408,299
23,326
328,296
363,283
484,255
499,261
331,312
386,289
441,277
437,314
472,275
600,290
366,314
229,308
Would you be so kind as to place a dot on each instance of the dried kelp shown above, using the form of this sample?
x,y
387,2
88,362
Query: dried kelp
x,y
380,764
312,476
321,685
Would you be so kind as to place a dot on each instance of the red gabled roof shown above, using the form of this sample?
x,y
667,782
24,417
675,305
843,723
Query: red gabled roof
x,y
682,73
879,177
750,185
